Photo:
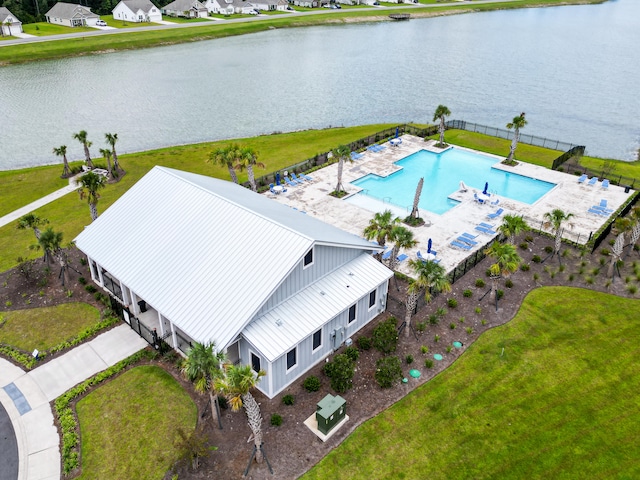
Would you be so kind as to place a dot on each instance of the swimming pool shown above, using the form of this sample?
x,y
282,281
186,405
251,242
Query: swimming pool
x,y
442,174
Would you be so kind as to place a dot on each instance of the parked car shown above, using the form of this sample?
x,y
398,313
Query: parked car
x,y
254,12
101,23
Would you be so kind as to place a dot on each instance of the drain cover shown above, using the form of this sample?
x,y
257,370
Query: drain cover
x,y
437,356
414,373
457,344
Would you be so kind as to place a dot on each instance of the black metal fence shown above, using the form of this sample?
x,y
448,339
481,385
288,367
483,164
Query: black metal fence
x,y
508,135
577,151
577,169
151,336
601,234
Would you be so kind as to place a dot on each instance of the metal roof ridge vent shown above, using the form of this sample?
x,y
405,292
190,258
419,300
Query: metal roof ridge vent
x,y
279,322
322,293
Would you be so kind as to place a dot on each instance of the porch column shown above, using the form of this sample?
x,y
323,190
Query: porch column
x,y
173,336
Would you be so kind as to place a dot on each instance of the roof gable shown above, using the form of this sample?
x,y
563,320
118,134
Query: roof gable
x,y
135,5
69,10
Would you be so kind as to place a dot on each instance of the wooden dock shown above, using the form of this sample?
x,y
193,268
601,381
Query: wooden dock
x,y
400,16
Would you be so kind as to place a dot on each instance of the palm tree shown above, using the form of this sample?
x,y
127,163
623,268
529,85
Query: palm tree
x,y
203,366
621,226
248,158
507,262
635,229
512,226
401,237
554,219
440,114
236,385
90,183
51,243
31,220
431,277
61,151
415,213
379,228
111,139
107,156
517,123
226,157
81,136
341,153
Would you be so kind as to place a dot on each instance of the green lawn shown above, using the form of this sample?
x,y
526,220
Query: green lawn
x,y
112,22
184,20
42,29
44,328
7,37
551,394
21,187
128,425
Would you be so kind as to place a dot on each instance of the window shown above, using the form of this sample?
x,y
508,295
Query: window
x,y
308,258
255,362
352,313
372,299
317,339
291,359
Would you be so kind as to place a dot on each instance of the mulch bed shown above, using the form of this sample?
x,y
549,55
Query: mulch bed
x,y
292,448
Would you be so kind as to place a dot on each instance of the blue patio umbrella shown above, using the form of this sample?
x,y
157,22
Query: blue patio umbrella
x,y
486,186
278,178
397,132
429,246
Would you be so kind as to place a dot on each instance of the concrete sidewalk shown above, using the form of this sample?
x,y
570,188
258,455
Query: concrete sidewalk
x,y
26,396
16,214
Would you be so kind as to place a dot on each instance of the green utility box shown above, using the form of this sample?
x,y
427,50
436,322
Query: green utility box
x,y
329,412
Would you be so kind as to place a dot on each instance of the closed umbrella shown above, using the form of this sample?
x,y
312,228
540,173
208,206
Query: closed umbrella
x,y
397,132
278,178
429,246
486,186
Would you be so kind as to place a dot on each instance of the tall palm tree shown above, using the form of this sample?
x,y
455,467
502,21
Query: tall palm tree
x,y
111,139
226,157
554,220
51,243
507,262
517,123
430,277
512,226
106,154
379,228
341,153
90,183
31,220
402,238
621,227
61,151
81,136
236,385
440,114
248,158
415,213
203,366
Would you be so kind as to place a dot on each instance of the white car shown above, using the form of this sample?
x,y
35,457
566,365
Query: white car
x,y
101,23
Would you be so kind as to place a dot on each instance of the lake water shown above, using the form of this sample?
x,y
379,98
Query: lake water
x,y
573,70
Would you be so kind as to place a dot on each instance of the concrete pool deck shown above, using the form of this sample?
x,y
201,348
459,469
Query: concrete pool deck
x,y
353,213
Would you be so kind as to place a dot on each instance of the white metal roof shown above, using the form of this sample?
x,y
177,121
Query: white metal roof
x,y
204,252
283,327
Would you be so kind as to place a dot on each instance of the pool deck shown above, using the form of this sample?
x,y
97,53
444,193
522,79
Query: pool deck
x,y
353,215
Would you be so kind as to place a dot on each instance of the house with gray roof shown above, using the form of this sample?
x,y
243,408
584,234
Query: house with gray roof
x,y
136,11
198,259
9,24
71,15
268,5
229,7
186,9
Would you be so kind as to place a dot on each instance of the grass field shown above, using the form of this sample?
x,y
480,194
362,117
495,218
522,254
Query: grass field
x,y
44,328
128,425
552,394
115,23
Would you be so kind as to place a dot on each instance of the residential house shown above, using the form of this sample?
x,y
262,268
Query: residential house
x,y
311,3
200,259
229,7
137,11
185,8
71,15
9,24
270,5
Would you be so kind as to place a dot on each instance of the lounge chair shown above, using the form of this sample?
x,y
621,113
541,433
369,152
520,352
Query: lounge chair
x,y
433,252
387,254
604,210
603,203
468,235
496,214
402,257
356,155
497,201
597,211
486,231
296,178
420,257
583,178
272,190
605,184
372,148
460,245
296,181
487,225
289,182
478,199
593,181
306,177
466,240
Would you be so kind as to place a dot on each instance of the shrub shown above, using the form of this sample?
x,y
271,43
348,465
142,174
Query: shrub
x,y
449,347
409,359
632,289
571,277
548,249
276,420
424,349
364,343
433,319
352,352
478,310
312,384
223,402
528,238
480,283
467,293
524,245
536,259
508,283
82,281
8,303
288,399
469,330
90,288
385,336
436,338
483,322
83,261
388,371
340,371
500,294
602,261
421,327
461,319
562,268
536,277
441,312
428,363
452,303
487,272
452,326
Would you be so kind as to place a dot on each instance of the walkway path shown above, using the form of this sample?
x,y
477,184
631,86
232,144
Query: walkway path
x,y
26,397
16,214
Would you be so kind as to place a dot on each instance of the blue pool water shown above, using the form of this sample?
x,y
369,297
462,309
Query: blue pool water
x,y
442,174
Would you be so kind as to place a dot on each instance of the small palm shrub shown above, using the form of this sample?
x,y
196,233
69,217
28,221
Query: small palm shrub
x,y
364,343
536,259
90,288
409,359
421,327
276,420
82,281
452,326
524,245
433,319
452,303
480,283
288,399
508,283
428,363
424,349
548,249
467,293
500,294
388,371
352,352
312,384
441,312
